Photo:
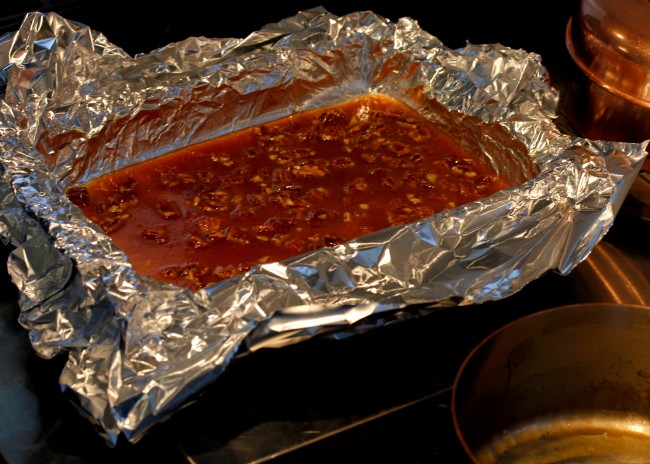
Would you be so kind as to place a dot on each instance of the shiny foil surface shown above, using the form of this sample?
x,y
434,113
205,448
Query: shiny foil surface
x,y
75,106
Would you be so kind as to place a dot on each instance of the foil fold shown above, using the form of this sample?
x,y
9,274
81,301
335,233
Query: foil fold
x,y
75,106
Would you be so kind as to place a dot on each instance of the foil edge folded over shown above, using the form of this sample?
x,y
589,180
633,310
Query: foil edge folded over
x,y
138,349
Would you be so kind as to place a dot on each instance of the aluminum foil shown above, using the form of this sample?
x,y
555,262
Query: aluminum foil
x,y
75,106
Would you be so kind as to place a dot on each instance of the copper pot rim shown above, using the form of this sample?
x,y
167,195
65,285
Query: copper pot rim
x,y
609,41
595,77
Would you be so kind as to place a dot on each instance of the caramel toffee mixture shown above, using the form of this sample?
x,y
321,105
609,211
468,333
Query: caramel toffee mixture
x,y
315,179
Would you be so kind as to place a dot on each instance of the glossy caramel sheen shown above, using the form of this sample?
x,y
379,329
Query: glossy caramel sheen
x,y
270,192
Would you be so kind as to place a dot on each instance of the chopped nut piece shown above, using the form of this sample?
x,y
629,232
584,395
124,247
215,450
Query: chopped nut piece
x,y
157,234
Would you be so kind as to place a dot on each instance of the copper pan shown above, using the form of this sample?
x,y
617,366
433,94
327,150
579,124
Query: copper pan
x,y
569,384
609,41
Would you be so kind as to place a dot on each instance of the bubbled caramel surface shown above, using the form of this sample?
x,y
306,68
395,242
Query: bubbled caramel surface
x,y
314,179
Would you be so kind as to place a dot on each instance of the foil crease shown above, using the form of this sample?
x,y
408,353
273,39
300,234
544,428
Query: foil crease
x,y
75,106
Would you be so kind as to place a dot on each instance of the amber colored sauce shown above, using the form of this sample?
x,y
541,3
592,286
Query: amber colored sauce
x,y
270,192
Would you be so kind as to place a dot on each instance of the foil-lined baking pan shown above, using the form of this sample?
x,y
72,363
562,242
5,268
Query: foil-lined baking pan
x,y
75,106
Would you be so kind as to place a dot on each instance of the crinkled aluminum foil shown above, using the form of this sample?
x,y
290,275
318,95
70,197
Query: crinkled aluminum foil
x,y
74,106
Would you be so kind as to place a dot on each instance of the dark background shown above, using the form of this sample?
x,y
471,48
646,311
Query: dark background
x,y
141,26
383,396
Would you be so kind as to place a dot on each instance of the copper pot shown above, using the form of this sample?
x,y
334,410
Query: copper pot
x,y
609,41
570,384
